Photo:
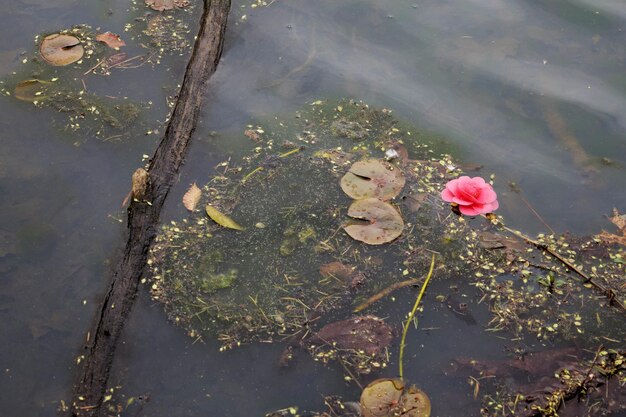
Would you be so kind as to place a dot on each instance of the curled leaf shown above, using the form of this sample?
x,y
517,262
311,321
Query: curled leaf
x,y
384,223
192,197
59,49
111,40
373,178
221,219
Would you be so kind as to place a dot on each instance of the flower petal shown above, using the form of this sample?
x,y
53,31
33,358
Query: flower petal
x,y
447,196
469,210
487,195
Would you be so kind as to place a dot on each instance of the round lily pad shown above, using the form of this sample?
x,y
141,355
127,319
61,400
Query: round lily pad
x,y
381,396
59,49
373,178
385,223
389,397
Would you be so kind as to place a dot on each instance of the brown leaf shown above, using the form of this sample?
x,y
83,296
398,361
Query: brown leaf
x,y
31,90
59,50
160,5
384,222
139,181
116,58
252,135
111,40
367,333
609,238
373,178
618,220
387,397
192,197
346,274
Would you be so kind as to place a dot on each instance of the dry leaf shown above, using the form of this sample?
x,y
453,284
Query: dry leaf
x,y
111,40
618,220
221,219
390,397
373,178
192,197
140,183
252,135
368,334
59,50
160,5
31,90
384,223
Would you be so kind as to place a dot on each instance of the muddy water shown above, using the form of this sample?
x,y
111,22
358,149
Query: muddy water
x,y
535,93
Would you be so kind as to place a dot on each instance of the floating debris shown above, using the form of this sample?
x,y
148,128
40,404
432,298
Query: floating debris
x,y
60,49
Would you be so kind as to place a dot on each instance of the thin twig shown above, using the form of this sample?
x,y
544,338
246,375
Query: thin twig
x,y
606,291
377,297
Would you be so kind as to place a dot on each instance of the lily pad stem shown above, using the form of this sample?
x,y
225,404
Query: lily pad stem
x,y
412,315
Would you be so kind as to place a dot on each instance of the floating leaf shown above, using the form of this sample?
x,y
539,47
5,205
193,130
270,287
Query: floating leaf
x,y
221,219
367,334
59,50
160,5
414,403
111,40
385,223
381,396
31,90
252,135
345,274
389,397
192,197
373,178
618,220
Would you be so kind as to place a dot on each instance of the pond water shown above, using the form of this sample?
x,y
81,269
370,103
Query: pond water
x,y
533,92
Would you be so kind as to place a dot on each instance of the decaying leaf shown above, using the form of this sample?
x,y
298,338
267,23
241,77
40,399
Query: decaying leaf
x,y
373,178
192,197
59,49
390,397
385,223
111,40
139,183
345,274
254,136
31,90
160,5
367,334
618,220
221,219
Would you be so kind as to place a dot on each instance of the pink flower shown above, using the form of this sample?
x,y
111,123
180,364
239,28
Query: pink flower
x,y
473,195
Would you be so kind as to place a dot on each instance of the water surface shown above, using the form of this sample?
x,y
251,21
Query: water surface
x,y
534,92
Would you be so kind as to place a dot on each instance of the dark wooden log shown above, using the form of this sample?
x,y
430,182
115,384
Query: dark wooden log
x,y
144,211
